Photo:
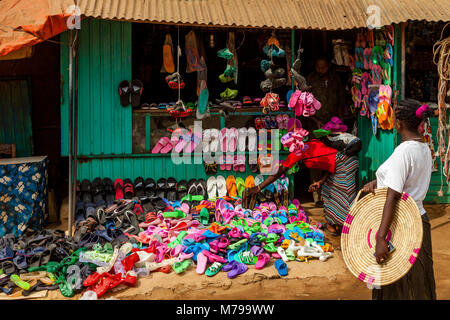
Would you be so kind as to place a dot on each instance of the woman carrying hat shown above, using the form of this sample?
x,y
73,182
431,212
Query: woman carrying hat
x,y
408,170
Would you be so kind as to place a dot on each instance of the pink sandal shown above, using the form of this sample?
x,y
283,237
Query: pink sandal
x,y
223,135
161,144
213,257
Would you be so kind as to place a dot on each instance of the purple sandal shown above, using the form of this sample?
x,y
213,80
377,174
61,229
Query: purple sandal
x,y
238,268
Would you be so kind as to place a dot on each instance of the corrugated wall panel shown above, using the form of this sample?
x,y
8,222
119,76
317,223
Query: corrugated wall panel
x,y
154,167
435,184
375,149
15,115
104,126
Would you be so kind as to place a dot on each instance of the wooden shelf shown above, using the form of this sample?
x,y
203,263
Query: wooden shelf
x,y
215,111
151,155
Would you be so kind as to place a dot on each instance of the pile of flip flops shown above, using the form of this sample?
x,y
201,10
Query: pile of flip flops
x,y
303,103
275,76
293,140
335,125
372,75
117,243
270,102
228,75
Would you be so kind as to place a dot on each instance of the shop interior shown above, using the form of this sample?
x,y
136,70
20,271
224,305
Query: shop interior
x,y
147,60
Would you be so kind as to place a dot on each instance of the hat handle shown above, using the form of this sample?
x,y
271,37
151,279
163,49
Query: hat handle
x,y
356,200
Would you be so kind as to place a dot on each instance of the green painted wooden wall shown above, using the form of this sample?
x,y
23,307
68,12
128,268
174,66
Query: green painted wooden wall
x,y
15,115
104,126
435,184
376,149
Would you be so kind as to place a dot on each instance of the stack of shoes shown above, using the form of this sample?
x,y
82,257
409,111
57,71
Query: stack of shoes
x,y
293,140
304,104
275,76
228,75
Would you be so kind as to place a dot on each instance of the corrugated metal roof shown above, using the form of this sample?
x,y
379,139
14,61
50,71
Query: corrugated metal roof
x,y
301,14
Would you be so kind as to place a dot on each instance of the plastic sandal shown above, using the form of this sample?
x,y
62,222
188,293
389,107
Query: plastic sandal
x,y
237,269
246,257
214,269
281,268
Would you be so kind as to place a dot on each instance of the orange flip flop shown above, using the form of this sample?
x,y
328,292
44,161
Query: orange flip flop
x,y
231,186
273,40
215,228
249,182
167,55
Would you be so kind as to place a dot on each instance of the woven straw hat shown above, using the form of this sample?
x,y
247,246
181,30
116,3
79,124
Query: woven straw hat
x,y
358,238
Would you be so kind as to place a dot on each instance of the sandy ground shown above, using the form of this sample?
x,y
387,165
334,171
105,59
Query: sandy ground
x,y
312,280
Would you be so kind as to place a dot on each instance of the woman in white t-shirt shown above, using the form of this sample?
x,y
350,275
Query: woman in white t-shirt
x,y
408,170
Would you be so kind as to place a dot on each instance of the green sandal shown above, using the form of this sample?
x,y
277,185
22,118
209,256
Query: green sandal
x,y
180,267
241,222
214,269
237,245
272,220
256,227
190,197
50,266
178,240
240,186
272,238
224,79
204,216
229,72
290,254
19,282
225,54
319,133
246,257
261,237
65,288
270,247
177,214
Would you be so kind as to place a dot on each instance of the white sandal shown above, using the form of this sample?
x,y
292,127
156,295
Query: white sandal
x,y
282,253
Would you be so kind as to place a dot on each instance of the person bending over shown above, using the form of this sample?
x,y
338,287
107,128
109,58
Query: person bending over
x,y
338,183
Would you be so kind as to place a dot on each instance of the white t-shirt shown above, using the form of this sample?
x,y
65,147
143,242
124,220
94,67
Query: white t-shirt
x,y
408,170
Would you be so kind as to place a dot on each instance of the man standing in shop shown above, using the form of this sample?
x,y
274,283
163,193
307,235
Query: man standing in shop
x,y
327,88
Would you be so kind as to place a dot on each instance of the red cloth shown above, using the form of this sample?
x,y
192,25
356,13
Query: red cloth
x,y
318,156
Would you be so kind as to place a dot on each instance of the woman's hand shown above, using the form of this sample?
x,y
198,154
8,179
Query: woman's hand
x,y
250,192
315,186
381,250
370,187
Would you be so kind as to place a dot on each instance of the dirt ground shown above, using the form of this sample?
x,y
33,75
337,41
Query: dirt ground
x,y
312,280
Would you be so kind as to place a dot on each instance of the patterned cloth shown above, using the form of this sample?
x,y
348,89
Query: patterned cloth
x,y
339,190
23,195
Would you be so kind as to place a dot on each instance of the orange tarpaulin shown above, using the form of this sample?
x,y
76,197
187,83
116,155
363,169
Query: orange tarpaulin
x,y
27,22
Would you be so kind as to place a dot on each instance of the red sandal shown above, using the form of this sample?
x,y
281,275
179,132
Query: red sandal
x,y
118,185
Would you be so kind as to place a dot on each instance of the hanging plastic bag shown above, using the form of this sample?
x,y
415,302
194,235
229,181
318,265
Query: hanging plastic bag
x,y
192,55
